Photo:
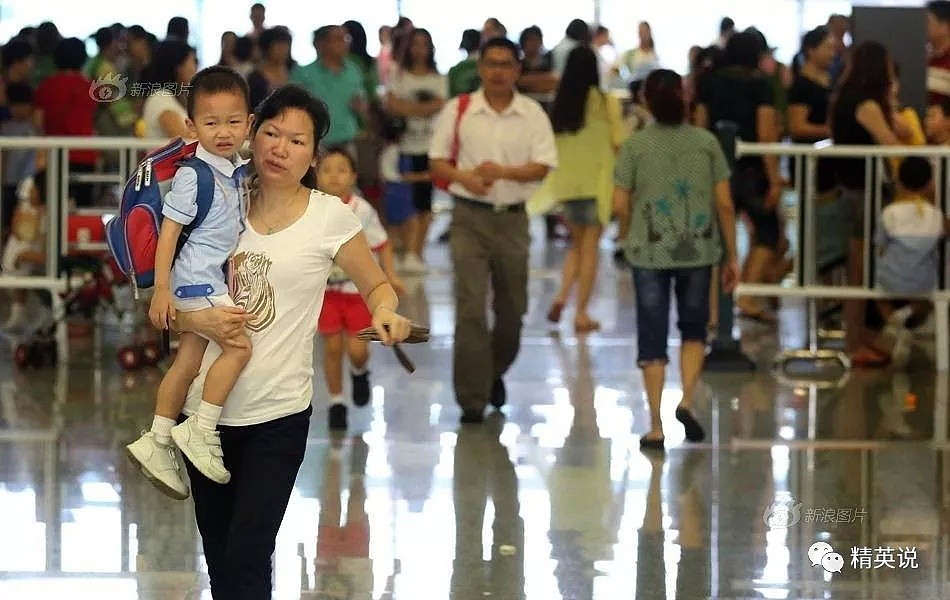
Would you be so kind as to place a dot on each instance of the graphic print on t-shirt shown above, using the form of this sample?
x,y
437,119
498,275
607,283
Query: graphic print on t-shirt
x,y
679,234
253,291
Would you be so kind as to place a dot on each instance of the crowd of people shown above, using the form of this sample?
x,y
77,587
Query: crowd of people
x,y
391,116
353,147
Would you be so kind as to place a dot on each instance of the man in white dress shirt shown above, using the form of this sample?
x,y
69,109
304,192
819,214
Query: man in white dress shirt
x,y
505,148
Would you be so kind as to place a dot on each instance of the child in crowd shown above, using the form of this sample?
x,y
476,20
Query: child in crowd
x,y
18,164
22,202
219,116
344,311
938,123
907,241
400,210
25,251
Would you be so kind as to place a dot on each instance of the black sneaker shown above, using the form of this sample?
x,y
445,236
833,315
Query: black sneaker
x,y
471,416
360,389
499,395
337,417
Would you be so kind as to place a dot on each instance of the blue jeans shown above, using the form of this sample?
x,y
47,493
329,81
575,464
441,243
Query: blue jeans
x,y
652,287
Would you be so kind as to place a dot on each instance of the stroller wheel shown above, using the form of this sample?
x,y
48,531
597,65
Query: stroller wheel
x,y
129,358
44,352
21,356
151,354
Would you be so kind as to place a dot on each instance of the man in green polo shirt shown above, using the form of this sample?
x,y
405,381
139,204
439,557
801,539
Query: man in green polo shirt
x,y
337,81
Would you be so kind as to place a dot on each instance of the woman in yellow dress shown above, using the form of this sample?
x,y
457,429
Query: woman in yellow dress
x,y
589,129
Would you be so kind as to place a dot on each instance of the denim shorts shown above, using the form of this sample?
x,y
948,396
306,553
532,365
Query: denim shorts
x,y
652,288
581,212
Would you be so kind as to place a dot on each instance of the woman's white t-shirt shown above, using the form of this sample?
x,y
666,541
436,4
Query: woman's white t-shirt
x,y
408,86
281,279
156,105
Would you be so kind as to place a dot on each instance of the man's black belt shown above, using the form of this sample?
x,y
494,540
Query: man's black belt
x,y
499,208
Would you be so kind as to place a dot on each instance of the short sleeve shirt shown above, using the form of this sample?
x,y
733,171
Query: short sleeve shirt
x,y
376,237
672,172
199,269
418,88
280,279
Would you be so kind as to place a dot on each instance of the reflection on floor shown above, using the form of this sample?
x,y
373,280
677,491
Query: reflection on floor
x,y
551,499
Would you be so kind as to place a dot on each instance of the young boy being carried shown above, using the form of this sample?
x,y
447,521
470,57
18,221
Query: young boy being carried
x,y
219,116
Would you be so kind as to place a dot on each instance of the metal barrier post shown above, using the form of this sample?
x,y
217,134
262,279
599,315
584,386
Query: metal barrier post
x,y
725,354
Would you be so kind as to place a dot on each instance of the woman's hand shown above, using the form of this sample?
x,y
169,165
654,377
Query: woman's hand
x,y
161,311
730,276
218,323
391,327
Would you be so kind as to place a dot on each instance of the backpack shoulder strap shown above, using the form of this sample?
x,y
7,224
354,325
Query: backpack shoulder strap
x,y
205,190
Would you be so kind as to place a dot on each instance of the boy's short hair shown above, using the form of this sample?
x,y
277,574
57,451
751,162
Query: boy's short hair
x,y
14,51
341,151
19,93
915,173
70,54
215,80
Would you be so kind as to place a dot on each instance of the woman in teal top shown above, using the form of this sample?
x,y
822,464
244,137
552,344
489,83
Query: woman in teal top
x,y
675,209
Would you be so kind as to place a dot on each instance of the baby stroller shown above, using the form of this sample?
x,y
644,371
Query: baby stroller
x,y
92,275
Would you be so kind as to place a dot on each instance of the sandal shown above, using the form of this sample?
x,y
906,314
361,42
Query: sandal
x,y
554,313
694,431
586,326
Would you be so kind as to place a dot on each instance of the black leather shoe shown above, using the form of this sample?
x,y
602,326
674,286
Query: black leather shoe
x,y
499,395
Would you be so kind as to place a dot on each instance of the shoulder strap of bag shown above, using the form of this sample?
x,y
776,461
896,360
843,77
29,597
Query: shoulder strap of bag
x,y
464,101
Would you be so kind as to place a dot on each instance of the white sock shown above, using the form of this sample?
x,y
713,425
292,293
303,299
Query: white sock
x,y
336,398
208,415
360,371
162,428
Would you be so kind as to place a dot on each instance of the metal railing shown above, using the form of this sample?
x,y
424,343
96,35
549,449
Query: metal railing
x,y
58,179
806,158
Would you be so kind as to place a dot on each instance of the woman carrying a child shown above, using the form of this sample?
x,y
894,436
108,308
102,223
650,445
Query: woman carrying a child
x,y
294,235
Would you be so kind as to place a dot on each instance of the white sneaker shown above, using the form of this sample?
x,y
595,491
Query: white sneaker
x,y
203,448
413,265
159,464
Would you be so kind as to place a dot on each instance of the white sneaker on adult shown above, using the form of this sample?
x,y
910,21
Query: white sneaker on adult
x,y
159,463
203,448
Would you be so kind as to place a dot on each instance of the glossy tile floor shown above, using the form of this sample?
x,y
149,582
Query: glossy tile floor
x,y
551,499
